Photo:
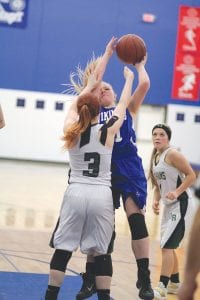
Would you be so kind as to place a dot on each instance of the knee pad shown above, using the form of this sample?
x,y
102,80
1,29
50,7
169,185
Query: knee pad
x,y
137,226
60,259
103,265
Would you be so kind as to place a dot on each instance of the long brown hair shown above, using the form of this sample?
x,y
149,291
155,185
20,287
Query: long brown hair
x,y
88,108
150,175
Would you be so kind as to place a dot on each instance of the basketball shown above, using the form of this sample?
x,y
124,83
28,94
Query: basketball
x,y
131,49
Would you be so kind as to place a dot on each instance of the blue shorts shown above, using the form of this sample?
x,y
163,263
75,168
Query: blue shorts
x,y
135,188
128,180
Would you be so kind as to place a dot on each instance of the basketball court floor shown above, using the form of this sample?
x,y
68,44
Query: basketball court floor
x,y
30,198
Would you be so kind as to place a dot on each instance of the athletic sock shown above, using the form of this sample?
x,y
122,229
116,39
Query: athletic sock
x,y
175,278
103,294
143,272
143,263
90,267
52,292
164,280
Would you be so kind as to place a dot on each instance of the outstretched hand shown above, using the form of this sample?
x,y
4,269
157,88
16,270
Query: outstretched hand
x,y
142,63
111,46
128,73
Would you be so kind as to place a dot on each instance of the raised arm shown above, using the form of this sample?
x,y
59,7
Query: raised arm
x,y
141,90
94,78
2,121
101,66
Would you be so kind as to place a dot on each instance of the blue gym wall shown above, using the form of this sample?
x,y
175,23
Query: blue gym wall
x,y
61,34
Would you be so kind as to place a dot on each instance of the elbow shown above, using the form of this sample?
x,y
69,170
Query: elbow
x,y
145,86
2,125
194,177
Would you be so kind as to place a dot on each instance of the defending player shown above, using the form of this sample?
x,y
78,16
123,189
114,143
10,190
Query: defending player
x,y
128,179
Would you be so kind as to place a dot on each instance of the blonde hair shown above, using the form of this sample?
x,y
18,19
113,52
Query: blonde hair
x,y
79,78
88,108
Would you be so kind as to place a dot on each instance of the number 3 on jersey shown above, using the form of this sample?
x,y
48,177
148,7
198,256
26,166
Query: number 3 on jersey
x,y
93,166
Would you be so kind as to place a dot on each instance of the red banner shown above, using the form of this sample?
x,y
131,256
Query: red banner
x,y
186,81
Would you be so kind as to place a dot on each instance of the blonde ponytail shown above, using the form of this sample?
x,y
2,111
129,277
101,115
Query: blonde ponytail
x,y
79,78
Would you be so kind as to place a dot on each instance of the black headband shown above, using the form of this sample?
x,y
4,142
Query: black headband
x,y
166,128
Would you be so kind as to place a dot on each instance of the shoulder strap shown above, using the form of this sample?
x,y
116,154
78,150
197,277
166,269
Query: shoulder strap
x,y
105,127
85,137
162,157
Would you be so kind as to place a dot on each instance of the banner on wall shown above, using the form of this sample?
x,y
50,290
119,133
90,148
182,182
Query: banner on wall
x,y
13,13
186,82
186,79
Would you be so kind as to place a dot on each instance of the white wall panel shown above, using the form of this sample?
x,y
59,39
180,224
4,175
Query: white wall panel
x,y
31,133
186,133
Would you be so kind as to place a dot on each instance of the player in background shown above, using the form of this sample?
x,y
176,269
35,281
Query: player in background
x,y
171,175
128,178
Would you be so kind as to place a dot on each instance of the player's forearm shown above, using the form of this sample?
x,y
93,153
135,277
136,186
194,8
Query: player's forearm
x,y
126,92
101,66
143,79
141,90
156,194
121,107
123,103
2,121
187,182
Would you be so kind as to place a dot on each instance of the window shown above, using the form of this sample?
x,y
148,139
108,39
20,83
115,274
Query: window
x,y
40,104
197,118
180,117
21,102
59,106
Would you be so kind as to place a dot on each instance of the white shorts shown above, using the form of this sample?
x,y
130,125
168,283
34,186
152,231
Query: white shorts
x,y
175,221
86,219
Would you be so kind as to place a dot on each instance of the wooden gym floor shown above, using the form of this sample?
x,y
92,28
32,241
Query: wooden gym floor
x,y
30,198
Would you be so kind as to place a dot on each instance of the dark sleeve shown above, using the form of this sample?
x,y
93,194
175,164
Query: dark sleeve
x,y
105,127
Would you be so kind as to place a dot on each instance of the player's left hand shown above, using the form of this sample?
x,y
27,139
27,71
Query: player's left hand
x,y
111,46
142,63
172,195
128,73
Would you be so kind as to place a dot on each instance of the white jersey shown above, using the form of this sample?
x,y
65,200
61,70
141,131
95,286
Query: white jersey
x,y
87,214
90,160
177,213
168,178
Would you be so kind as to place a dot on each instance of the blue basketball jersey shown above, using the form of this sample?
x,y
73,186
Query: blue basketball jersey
x,y
128,176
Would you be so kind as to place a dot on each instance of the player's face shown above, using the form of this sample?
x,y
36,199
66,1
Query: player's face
x,y
107,95
160,139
